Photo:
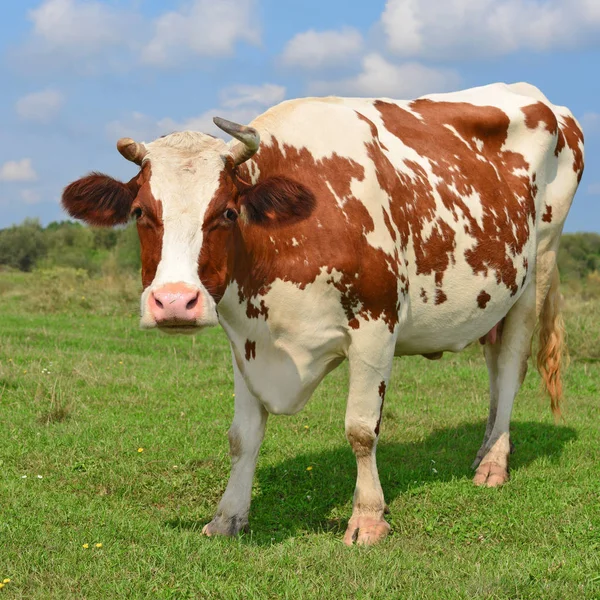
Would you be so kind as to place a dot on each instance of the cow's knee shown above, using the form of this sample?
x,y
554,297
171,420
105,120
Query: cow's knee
x,y
362,438
235,442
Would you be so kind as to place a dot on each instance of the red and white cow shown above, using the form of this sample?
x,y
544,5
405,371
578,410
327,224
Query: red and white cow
x,y
359,229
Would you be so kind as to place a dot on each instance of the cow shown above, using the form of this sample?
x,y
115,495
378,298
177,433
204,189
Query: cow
x,y
360,229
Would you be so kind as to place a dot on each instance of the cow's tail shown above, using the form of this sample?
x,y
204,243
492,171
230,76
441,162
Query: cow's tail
x,y
552,344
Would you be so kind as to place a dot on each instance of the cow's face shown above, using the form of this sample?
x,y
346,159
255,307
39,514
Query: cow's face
x,y
186,200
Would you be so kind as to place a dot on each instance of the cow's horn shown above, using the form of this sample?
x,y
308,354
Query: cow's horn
x,y
248,136
132,150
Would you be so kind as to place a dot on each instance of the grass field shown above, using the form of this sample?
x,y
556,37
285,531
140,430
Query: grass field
x,y
114,436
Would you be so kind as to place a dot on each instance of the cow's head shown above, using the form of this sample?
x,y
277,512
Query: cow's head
x,y
186,200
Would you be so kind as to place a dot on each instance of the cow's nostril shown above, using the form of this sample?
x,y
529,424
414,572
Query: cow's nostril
x,y
158,302
192,303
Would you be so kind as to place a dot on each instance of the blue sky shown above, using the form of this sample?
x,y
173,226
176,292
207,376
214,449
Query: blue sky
x,y
79,74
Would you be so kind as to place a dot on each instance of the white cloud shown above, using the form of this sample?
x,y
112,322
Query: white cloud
x,y
318,49
92,35
447,29
18,170
30,196
267,94
382,78
240,103
41,107
203,28
87,27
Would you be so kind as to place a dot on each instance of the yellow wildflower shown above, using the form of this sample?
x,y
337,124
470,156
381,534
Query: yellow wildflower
x,y
1,585
86,545
6,581
309,468
98,545
140,449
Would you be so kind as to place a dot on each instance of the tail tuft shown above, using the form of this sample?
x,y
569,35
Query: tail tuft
x,y
552,344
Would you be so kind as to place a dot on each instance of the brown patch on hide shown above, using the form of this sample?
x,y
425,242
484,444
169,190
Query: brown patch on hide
x,y
526,269
540,113
217,232
382,396
507,198
366,277
483,298
560,143
412,207
547,216
440,297
150,226
574,139
250,348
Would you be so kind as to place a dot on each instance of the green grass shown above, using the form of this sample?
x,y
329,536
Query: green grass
x,y
81,392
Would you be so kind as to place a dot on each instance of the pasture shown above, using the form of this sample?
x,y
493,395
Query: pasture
x,y
117,437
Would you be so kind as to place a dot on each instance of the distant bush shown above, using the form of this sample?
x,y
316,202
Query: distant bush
x,y
71,245
22,246
579,255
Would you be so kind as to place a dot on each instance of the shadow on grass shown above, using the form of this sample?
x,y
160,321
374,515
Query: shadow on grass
x,y
293,499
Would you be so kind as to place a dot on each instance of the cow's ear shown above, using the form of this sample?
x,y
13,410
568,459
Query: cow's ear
x,y
100,199
277,201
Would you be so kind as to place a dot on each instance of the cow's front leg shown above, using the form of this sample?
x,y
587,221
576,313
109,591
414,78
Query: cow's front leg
x,y
245,437
363,419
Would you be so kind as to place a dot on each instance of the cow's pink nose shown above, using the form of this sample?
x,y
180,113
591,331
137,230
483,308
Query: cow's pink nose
x,y
175,304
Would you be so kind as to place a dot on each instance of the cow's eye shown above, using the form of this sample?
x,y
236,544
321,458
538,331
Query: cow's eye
x,y
230,214
136,213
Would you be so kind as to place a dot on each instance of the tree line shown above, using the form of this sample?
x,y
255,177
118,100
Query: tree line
x,y
30,246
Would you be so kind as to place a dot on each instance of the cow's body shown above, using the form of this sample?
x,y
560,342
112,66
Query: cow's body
x,y
439,269
407,228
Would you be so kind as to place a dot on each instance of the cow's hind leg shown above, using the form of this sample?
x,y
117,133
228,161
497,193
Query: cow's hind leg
x,y
491,352
245,437
507,366
369,374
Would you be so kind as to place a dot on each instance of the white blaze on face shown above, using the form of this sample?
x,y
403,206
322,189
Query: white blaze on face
x,y
185,169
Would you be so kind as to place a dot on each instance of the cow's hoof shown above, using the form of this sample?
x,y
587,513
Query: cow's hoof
x,y
365,531
229,527
490,474
497,452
